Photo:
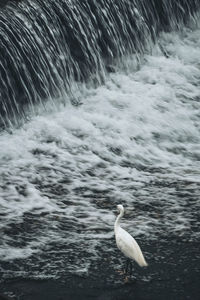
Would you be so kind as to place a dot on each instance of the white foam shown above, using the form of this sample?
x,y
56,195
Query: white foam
x,y
127,140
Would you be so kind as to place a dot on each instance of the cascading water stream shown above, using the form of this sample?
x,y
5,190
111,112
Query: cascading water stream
x,y
47,45
133,139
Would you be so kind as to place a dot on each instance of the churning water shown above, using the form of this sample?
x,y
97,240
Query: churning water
x,y
133,140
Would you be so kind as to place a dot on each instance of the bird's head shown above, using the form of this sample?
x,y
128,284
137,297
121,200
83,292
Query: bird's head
x,y
120,208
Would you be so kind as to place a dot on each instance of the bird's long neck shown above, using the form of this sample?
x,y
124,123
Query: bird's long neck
x,y
117,222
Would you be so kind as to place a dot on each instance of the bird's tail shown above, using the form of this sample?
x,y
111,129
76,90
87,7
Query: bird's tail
x,y
141,260
144,264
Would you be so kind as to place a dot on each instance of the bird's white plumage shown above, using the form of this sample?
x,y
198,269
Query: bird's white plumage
x,y
126,243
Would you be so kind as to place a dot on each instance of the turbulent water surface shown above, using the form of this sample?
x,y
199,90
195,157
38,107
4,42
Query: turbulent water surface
x,y
134,140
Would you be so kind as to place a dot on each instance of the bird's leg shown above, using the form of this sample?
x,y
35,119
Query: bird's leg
x,y
131,268
123,271
127,270
127,265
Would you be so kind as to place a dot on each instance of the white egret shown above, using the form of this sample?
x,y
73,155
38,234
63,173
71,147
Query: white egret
x,y
127,244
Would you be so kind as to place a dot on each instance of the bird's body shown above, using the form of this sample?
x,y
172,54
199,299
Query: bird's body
x,y
126,243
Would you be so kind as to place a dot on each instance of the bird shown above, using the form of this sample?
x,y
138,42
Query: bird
x,y
127,244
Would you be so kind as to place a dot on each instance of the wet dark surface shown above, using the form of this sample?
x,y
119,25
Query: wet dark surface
x,y
173,273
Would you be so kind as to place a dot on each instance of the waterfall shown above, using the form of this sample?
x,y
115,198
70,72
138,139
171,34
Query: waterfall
x,y
99,106
47,45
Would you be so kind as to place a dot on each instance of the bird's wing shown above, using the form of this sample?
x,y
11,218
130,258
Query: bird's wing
x,y
128,245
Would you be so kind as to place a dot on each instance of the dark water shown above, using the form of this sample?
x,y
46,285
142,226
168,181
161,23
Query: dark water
x,y
133,139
